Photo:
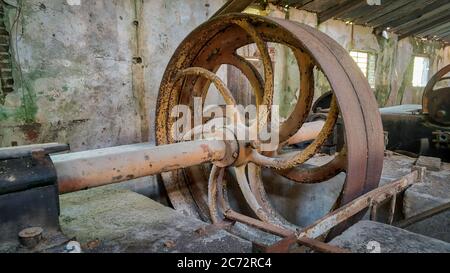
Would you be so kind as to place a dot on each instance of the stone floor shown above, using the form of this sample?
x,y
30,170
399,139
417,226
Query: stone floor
x,y
435,191
118,221
374,237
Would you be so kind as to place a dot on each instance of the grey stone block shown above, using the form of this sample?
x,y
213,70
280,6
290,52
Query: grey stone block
x,y
435,191
431,163
114,220
374,237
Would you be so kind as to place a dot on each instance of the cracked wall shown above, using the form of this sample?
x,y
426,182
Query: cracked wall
x,y
89,74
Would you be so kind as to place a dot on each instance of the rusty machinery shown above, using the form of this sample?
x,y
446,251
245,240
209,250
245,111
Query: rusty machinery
x,y
425,129
412,130
196,173
215,43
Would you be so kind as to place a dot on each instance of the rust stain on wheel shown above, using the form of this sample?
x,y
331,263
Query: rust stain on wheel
x,y
215,43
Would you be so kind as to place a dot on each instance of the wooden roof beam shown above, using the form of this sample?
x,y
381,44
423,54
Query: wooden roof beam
x,y
443,35
425,12
426,26
438,13
385,9
339,10
233,6
445,26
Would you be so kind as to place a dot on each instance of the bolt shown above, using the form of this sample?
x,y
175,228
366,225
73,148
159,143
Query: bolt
x,y
235,155
201,231
38,154
31,237
441,114
169,244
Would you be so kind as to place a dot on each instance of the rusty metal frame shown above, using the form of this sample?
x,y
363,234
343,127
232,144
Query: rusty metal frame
x,y
325,224
430,86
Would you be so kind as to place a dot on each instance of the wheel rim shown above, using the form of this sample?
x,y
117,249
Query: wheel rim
x,y
215,43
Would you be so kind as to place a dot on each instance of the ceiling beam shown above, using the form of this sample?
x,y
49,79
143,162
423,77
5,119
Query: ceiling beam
x,y
233,6
434,30
447,39
440,13
384,10
426,26
298,4
340,9
443,34
303,4
401,12
424,12
361,13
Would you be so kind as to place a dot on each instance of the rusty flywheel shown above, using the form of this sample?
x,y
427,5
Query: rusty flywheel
x,y
436,101
201,190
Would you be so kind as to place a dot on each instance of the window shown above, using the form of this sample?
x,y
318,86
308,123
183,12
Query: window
x,y
366,62
420,73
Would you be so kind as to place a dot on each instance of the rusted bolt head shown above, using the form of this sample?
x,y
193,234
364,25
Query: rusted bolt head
x,y
441,113
201,231
31,237
38,154
169,244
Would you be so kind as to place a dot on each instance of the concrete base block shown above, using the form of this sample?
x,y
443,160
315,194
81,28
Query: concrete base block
x,y
374,237
121,221
435,191
431,163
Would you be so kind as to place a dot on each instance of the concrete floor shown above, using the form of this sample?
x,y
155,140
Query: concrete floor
x,y
116,219
112,220
374,237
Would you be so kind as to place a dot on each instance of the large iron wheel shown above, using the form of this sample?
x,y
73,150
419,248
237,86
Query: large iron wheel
x,y
201,191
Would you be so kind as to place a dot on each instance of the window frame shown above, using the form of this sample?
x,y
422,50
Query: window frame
x,y
367,74
424,82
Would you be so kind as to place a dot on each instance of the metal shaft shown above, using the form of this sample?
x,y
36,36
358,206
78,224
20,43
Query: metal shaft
x,y
94,168
309,131
83,170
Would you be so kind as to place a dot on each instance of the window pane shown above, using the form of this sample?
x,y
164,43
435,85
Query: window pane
x,y
420,72
366,62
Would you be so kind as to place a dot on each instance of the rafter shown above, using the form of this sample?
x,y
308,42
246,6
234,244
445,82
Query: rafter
x,y
421,28
341,9
418,15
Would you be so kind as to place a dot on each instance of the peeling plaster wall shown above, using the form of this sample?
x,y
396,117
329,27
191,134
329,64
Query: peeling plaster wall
x,y
73,77
170,22
89,74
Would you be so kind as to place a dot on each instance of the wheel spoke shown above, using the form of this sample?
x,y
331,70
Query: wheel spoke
x,y
263,116
267,61
220,85
248,194
317,174
305,100
291,160
257,187
250,72
216,175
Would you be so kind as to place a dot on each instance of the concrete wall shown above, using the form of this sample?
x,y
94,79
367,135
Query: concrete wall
x,y
87,72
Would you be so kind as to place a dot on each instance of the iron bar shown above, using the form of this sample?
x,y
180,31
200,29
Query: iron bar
x,y
83,170
289,235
